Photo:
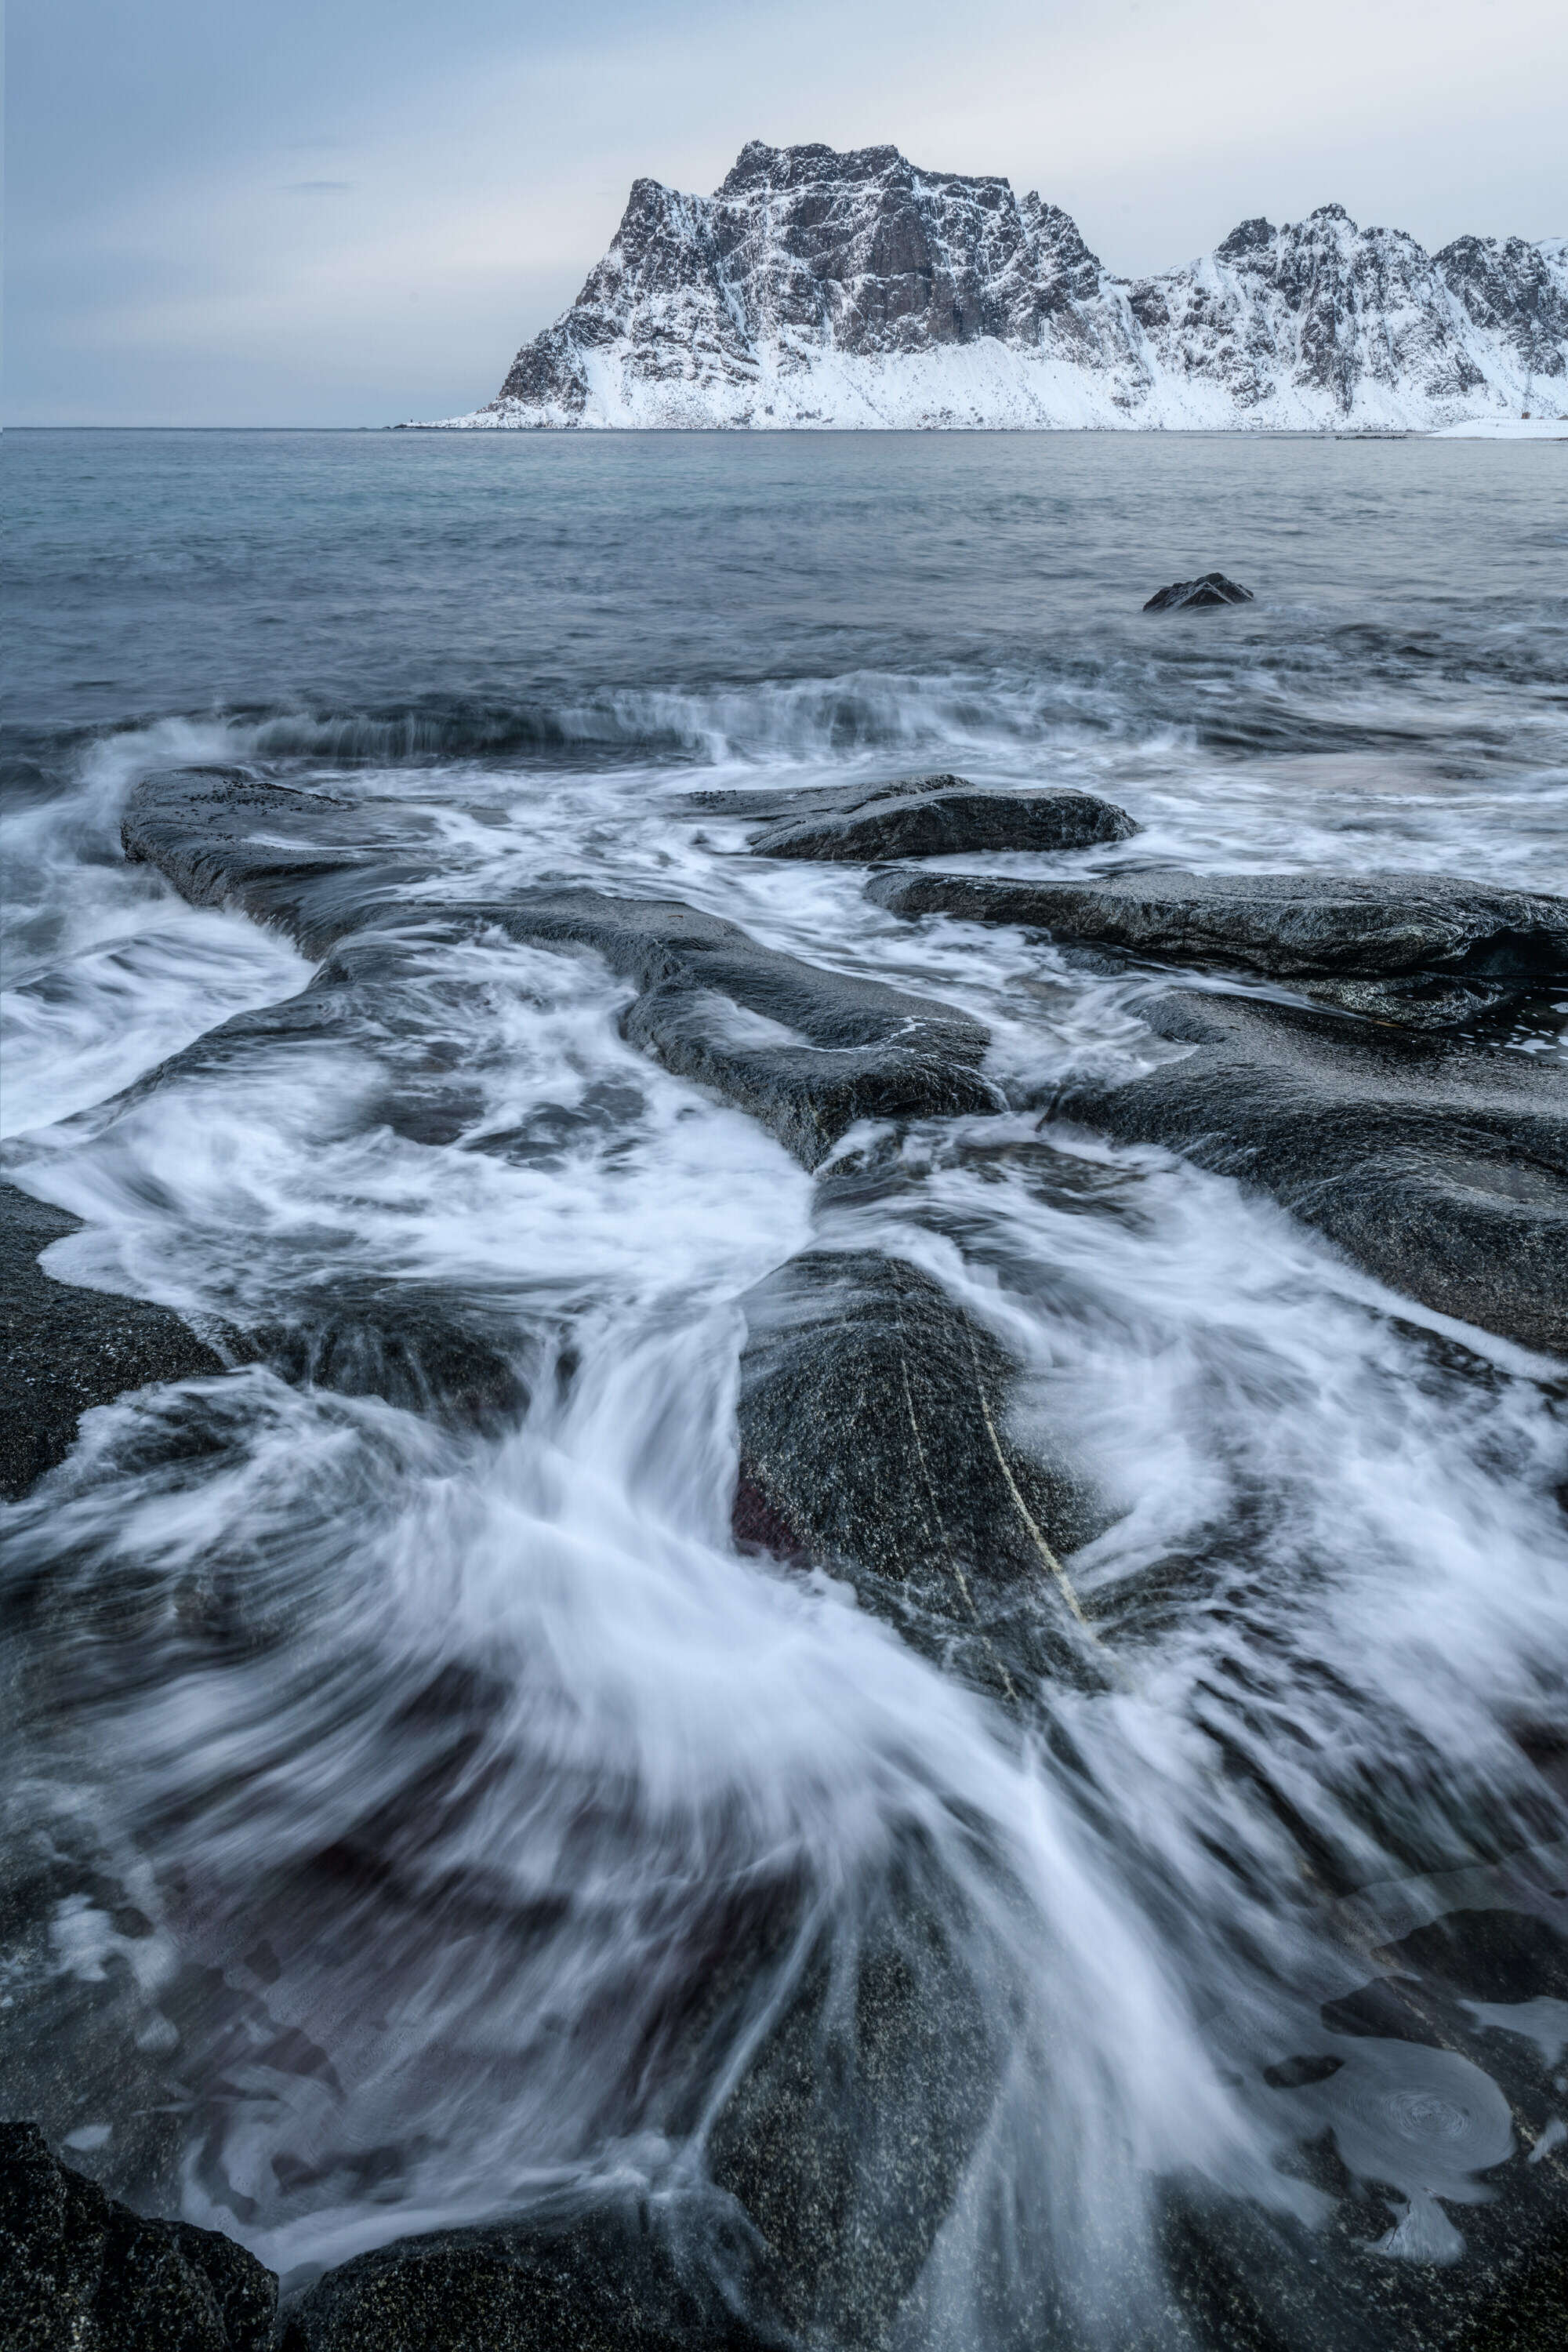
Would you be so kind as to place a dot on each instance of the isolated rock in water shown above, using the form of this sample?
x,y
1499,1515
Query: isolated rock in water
x,y
1435,948
610,2279
848,2135
947,817
65,1348
804,1051
1192,595
1443,1170
81,2273
876,1438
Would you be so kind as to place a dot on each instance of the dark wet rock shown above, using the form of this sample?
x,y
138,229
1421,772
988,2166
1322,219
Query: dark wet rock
x,y
877,1437
770,806
944,817
65,1348
1259,2281
847,2136
415,1346
81,2273
1423,950
804,1051
1194,596
1441,1169
620,2277
315,866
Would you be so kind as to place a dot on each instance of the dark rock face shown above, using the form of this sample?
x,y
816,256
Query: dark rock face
x,y
944,817
608,2279
875,1437
1422,948
1510,291
1197,595
65,1348
1441,1169
81,2273
804,1051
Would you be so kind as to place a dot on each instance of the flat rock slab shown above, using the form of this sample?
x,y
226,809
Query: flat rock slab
x,y
1209,589
1440,1169
64,1349
948,821
82,2274
875,1439
316,866
1404,946
806,1052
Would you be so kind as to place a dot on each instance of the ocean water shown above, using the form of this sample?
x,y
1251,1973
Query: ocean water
x,y
394,1792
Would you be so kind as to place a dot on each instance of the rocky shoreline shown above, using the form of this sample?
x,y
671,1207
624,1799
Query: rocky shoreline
x,y
1344,1057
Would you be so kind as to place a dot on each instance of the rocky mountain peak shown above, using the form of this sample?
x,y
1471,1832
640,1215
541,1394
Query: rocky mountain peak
x,y
820,287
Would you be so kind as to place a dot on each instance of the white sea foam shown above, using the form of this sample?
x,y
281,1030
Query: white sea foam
x,y
458,1757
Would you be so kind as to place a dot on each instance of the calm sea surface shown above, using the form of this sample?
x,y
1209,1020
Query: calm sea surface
x,y
389,1780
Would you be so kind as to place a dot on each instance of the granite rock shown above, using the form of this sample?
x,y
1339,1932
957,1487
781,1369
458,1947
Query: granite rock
x,y
66,1349
79,2273
1441,1169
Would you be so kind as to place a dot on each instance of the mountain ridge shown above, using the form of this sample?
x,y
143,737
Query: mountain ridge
x,y
823,288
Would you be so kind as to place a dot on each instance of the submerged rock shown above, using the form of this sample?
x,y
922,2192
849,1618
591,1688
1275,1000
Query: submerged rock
x,y
848,2135
806,1052
1426,2103
876,1437
79,2273
944,817
1441,1169
1424,949
65,1348
1194,596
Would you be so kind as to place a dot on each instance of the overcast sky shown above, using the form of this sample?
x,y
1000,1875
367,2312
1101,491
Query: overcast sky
x,y
345,211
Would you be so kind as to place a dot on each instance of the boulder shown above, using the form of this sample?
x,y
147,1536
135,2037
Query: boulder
x,y
1195,596
876,1438
944,817
79,2273
1442,1168
804,1051
1424,949
65,1348
620,2277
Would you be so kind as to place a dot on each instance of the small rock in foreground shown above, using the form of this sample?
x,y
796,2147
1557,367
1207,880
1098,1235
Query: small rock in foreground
x,y
608,2280
64,1348
1194,596
83,2273
877,1438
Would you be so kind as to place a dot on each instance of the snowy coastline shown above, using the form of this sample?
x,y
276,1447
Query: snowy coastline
x,y
819,291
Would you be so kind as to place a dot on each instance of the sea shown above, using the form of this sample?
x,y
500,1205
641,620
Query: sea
x,y
384,1786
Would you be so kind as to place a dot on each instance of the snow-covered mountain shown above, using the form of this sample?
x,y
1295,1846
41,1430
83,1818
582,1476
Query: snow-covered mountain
x,y
817,289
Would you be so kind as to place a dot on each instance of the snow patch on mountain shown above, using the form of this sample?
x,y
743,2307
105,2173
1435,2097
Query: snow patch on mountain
x,y
847,291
